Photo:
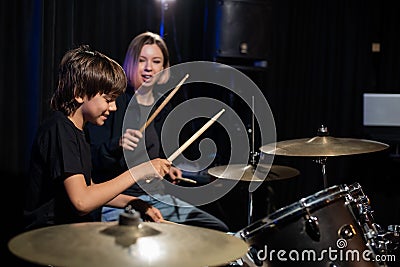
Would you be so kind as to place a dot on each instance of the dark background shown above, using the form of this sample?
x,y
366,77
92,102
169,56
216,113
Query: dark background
x,y
319,63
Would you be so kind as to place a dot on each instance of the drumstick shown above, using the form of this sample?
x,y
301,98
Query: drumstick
x,y
186,180
168,222
163,104
195,136
148,180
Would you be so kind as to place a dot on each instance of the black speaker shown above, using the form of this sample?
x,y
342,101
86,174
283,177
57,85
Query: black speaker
x,y
243,29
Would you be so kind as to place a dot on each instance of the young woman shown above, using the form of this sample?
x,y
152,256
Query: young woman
x,y
146,66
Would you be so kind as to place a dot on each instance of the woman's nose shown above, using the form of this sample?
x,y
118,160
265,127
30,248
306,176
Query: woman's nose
x,y
148,66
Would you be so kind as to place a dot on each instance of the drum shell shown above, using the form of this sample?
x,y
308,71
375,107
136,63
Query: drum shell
x,y
286,230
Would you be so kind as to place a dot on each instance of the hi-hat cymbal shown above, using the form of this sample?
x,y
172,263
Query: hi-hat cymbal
x,y
110,244
251,173
323,146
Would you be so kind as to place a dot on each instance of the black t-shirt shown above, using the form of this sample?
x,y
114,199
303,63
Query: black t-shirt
x,y
149,146
59,150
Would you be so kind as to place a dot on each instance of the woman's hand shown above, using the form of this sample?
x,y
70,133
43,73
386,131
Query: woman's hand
x,y
130,139
174,173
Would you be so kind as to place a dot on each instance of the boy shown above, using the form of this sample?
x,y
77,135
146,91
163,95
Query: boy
x,y
59,187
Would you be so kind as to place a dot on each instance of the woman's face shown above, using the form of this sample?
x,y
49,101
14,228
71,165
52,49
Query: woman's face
x,y
151,61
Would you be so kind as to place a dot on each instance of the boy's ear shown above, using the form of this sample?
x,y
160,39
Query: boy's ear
x,y
79,99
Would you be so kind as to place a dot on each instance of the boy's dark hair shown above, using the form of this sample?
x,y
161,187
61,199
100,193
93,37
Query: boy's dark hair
x,y
84,71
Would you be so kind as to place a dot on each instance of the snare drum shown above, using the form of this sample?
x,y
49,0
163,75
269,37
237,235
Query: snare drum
x,y
333,227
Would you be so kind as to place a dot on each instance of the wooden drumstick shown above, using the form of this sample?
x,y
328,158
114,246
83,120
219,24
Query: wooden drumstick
x,y
186,180
195,136
168,222
166,100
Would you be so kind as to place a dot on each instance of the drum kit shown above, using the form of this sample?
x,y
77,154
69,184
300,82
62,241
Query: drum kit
x,y
333,227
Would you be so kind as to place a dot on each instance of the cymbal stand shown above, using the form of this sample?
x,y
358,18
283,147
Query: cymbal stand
x,y
323,131
253,156
322,162
250,214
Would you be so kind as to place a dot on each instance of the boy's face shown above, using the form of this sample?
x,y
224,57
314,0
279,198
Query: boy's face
x,y
97,109
151,61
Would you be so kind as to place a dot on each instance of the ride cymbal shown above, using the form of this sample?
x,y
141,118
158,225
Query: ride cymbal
x,y
250,173
111,244
323,146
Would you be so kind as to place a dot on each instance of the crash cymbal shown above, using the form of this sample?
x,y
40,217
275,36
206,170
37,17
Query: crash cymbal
x,y
111,244
323,146
249,173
